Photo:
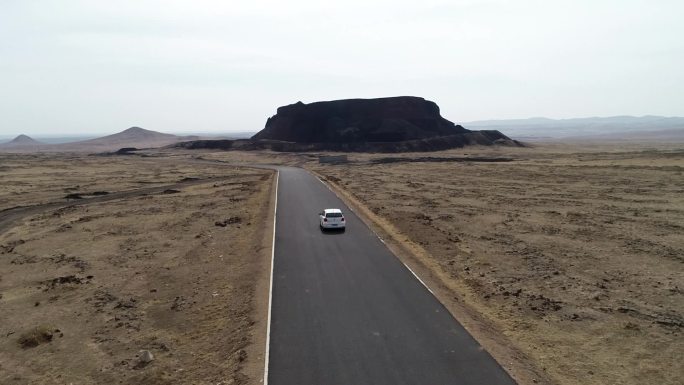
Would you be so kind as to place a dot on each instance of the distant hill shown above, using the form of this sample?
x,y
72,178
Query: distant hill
x,y
643,128
132,137
21,141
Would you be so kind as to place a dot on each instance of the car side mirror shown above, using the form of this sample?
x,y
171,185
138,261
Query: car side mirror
x,y
321,213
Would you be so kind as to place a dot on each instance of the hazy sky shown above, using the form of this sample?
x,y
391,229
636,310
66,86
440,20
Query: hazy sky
x,y
72,67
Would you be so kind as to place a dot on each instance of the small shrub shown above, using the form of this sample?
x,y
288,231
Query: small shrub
x,y
36,336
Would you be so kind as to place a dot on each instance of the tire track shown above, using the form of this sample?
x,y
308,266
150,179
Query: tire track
x,y
9,216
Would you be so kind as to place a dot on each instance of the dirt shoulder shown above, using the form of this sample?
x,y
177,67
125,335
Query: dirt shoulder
x,y
86,289
565,264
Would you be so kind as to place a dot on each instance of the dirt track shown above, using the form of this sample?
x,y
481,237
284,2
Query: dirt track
x,y
13,214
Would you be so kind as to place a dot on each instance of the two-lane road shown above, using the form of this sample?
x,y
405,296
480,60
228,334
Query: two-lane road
x,y
345,310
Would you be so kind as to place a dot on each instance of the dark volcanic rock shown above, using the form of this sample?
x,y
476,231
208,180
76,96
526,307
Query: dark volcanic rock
x,y
125,151
398,124
484,138
396,119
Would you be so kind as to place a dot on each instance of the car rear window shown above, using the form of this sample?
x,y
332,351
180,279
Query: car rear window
x,y
333,215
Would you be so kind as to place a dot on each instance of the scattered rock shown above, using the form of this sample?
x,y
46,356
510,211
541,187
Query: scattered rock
x,y
439,159
146,356
242,355
170,191
631,326
8,248
66,280
73,196
101,299
63,228
24,259
179,303
125,151
36,336
130,304
229,221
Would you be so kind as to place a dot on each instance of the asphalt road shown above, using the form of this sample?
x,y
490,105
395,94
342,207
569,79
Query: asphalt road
x,y
345,310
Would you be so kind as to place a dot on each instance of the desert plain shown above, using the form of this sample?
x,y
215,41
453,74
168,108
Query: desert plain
x,y
566,261
569,256
108,258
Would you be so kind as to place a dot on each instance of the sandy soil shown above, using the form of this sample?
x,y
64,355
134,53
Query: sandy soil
x,y
573,253
84,289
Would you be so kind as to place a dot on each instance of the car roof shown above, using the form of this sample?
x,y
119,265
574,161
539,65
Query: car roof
x,y
332,211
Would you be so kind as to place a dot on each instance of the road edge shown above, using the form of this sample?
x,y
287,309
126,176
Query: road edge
x,y
270,285
256,366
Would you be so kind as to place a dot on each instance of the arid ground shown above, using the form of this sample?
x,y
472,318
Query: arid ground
x,y
565,261
571,255
160,254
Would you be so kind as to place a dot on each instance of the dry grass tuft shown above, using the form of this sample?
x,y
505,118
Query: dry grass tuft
x,y
37,336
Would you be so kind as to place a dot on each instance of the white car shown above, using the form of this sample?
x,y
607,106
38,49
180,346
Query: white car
x,y
331,219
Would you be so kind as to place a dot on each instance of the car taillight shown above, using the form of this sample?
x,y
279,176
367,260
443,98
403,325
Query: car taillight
x,y
325,219
342,219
